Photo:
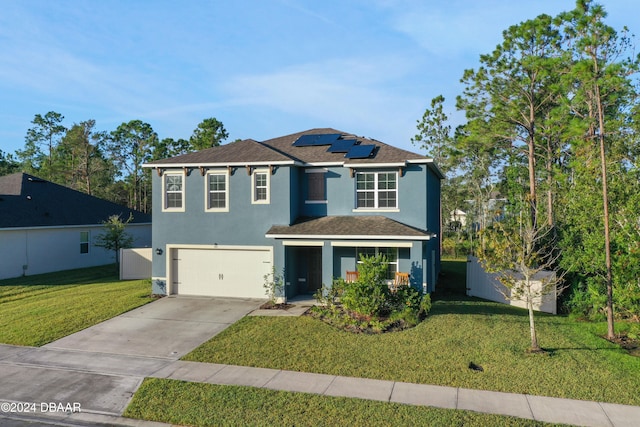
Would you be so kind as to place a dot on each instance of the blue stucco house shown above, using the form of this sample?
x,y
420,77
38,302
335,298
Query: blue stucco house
x,y
306,204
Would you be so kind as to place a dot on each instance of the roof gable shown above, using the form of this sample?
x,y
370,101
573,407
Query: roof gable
x,y
28,201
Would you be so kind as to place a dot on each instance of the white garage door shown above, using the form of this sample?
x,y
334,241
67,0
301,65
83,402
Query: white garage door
x,y
220,272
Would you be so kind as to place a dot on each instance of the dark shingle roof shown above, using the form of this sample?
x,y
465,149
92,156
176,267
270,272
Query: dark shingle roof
x,y
281,150
369,226
384,153
245,151
27,201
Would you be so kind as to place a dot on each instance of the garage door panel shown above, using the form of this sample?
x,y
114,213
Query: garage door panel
x,y
220,272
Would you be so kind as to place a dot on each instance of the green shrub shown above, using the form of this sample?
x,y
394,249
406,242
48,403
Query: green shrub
x,y
368,295
365,298
627,300
329,296
588,300
367,305
425,306
403,298
408,317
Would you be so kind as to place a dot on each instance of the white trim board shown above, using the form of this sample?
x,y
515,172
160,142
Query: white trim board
x,y
370,244
338,237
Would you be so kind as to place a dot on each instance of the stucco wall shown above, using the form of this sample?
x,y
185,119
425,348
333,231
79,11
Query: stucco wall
x,y
44,250
341,195
244,224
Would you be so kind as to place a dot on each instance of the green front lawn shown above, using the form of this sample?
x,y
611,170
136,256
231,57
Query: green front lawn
x,y
185,403
459,330
36,310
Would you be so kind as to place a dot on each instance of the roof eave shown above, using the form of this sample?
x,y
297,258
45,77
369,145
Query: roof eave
x,y
57,227
432,165
218,164
375,165
348,237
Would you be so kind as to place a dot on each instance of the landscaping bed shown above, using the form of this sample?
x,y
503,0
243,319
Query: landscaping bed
x,y
368,304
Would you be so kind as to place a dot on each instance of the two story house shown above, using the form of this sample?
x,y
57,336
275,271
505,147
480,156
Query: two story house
x,y
305,205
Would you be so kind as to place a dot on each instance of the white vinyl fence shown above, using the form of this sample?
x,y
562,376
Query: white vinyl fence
x,y
486,285
135,263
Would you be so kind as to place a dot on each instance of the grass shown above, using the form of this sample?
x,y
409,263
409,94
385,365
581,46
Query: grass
x,y
185,403
579,364
43,308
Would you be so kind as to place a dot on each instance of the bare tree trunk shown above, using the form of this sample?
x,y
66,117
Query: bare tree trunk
x,y
532,179
605,202
549,167
532,327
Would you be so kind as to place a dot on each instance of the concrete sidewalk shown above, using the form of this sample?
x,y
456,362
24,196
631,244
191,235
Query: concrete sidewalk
x,y
539,408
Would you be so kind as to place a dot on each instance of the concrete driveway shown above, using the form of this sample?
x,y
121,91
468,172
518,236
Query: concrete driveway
x,y
102,366
168,328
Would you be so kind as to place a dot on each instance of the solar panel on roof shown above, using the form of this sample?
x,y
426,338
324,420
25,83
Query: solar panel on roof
x,y
317,139
342,145
360,151
305,140
327,139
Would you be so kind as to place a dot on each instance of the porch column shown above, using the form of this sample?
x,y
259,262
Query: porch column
x,y
418,267
327,264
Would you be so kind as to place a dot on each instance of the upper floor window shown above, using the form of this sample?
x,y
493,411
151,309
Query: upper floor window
x,y
173,189
217,192
316,186
260,186
84,242
377,190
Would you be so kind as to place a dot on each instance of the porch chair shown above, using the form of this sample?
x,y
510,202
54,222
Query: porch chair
x,y
352,276
402,279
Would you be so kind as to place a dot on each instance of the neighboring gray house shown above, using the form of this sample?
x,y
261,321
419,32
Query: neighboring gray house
x,y
306,205
45,227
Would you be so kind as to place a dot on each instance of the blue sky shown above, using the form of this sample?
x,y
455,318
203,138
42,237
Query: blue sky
x,y
263,68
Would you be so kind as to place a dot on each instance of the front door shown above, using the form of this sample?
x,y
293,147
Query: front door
x,y
311,266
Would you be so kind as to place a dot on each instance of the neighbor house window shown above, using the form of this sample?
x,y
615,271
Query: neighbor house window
x,y
217,192
391,255
260,186
377,190
84,242
173,184
316,186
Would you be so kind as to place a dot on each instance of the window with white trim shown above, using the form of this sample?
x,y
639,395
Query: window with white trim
x,y
217,192
84,242
260,186
173,189
377,190
391,255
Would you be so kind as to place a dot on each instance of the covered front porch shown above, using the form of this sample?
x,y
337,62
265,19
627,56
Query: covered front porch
x,y
314,252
